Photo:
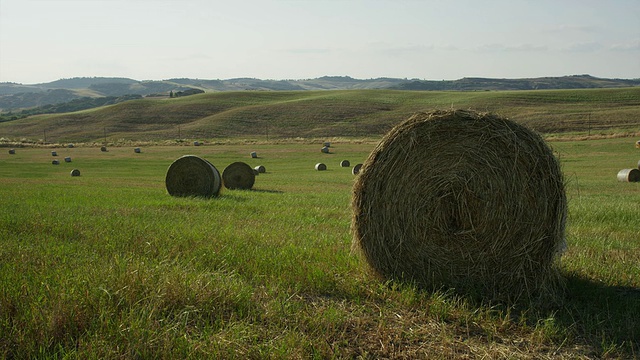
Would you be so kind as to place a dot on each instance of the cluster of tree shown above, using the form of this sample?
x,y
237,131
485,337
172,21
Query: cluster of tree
x,y
185,93
70,106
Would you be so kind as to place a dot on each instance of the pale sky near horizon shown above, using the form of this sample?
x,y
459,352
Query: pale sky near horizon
x,y
46,40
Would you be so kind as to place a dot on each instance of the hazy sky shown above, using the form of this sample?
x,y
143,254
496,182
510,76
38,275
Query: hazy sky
x,y
45,40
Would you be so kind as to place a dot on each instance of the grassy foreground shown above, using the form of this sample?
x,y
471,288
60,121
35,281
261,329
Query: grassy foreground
x,y
108,265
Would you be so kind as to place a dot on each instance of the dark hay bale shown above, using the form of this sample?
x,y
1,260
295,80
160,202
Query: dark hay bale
x,y
254,155
54,153
261,169
196,143
356,169
193,176
463,200
238,175
55,162
137,150
325,150
345,163
103,149
70,146
12,151
321,167
67,159
629,175
75,172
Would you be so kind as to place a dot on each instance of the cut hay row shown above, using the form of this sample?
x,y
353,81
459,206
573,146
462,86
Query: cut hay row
x,y
462,200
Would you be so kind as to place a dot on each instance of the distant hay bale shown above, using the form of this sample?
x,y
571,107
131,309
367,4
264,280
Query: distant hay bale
x,y
356,169
196,143
261,169
70,146
629,175
321,167
327,144
254,155
75,172
638,144
325,150
103,149
12,151
238,175
345,163
191,175
55,162
137,150
67,159
54,153
463,200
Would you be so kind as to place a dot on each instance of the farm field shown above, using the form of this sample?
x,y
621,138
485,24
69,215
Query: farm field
x,y
108,265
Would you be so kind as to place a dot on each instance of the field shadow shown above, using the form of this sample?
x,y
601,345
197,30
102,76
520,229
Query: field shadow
x,y
268,191
603,317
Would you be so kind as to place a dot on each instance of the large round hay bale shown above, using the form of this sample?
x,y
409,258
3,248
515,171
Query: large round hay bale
x,y
103,148
629,175
345,163
325,150
463,200
55,162
137,150
638,144
12,151
260,169
321,167
238,175
191,175
67,159
54,153
356,169
254,155
196,143
75,172
70,146
326,144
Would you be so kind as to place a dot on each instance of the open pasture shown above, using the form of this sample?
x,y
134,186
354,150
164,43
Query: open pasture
x,y
108,265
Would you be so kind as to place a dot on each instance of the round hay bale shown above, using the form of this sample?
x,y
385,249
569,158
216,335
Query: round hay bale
x,y
54,153
67,159
629,175
463,200
70,146
12,151
638,144
356,169
196,143
191,175
238,175
327,144
103,149
75,172
345,163
55,162
325,150
256,172
321,167
137,150
261,169
254,155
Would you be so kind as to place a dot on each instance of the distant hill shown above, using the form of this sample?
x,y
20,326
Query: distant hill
x,y
19,96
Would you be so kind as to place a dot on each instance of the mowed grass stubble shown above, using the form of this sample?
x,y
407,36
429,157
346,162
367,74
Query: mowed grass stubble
x,y
109,265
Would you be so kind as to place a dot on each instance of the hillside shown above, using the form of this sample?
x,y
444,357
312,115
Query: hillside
x,y
18,96
260,115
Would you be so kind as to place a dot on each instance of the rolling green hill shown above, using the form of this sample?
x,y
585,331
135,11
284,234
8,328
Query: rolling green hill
x,y
261,115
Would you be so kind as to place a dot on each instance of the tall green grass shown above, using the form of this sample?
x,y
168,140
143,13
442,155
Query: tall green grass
x,y
108,265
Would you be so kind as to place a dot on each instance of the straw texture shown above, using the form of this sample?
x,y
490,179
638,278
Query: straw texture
x,y
191,175
238,175
462,200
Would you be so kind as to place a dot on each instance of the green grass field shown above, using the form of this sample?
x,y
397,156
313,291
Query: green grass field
x,y
108,265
